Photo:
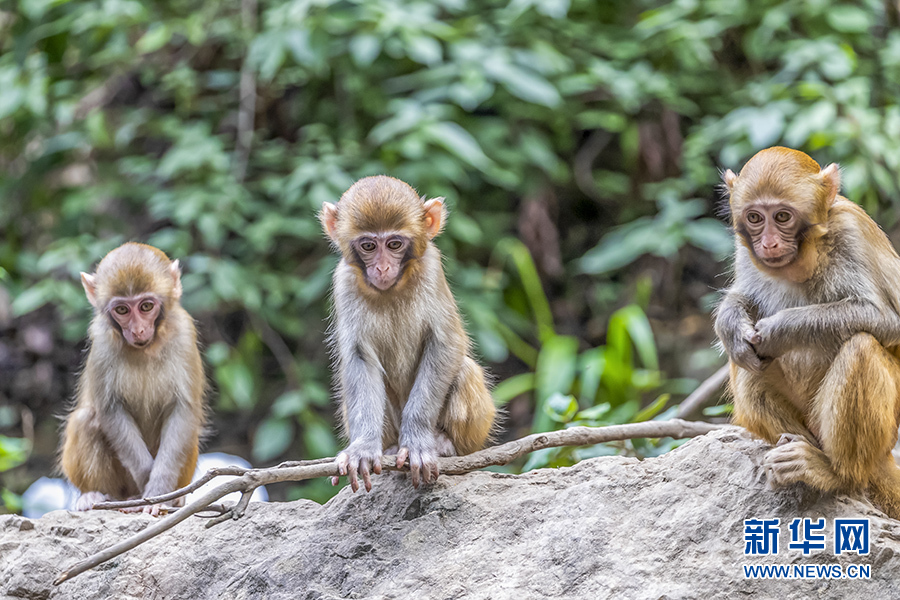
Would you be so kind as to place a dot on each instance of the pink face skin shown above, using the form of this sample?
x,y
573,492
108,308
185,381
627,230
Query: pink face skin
x,y
773,231
383,255
136,316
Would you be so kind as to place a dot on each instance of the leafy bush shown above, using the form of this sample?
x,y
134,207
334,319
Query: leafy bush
x,y
126,120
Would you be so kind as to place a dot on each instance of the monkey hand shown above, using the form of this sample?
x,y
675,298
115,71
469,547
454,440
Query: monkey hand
x,y
769,337
742,351
422,461
360,458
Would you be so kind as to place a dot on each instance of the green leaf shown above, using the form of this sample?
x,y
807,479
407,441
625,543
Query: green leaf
x,y
364,49
157,36
635,322
560,407
32,299
848,19
554,374
523,83
512,387
236,380
319,439
719,410
272,439
460,142
652,409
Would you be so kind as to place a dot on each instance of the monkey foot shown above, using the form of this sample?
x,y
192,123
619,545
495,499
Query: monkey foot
x,y
154,510
443,445
87,500
788,461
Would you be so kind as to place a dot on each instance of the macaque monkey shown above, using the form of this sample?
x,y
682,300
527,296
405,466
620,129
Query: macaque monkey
x,y
404,375
139,412
811,327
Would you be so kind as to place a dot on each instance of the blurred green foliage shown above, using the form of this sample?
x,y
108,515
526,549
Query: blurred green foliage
x,y
126,120
13,452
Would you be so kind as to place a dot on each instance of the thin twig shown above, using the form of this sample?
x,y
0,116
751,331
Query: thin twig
x,y
283,355
210,475
453,465
704,392
584,162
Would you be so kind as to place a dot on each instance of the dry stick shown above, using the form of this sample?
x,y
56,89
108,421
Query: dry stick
x,y
454,465
704,392
209,476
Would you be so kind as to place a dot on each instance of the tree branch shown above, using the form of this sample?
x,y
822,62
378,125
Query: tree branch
x,y
251,479
703,393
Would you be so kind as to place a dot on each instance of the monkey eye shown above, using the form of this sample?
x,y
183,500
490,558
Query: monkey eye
x,y
754,218
367,246
146,306
121,309
395,244
782,216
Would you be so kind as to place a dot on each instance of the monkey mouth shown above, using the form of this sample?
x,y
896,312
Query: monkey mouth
x,y
778,261
382,285
140,343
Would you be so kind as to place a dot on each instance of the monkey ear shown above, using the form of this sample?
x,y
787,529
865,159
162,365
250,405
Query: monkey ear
x,y
435,215
328,217
831,176
90,288
175,270
729,178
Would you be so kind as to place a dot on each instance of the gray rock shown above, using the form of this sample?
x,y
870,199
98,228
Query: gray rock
x,y
668,527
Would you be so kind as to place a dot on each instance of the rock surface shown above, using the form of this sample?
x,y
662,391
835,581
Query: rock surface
x,y
668,527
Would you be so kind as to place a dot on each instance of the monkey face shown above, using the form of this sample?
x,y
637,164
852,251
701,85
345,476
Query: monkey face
x,y
772,232
382,257
136,317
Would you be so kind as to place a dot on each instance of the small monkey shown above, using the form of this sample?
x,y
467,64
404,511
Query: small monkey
x,y
811,326
404,375
139,410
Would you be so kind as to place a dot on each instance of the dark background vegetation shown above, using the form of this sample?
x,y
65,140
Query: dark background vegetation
x,y
578,144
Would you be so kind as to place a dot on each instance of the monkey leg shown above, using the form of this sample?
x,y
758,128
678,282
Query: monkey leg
x,y
855,413
190,466
89,462
762,409
468,416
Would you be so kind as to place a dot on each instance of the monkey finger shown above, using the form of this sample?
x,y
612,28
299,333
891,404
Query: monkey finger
x,y
342,460
414,473
376,466
354,481
787,438
364,471
402,455
335,480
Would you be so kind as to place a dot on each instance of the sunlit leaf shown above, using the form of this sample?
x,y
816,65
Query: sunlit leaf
x,y
272,438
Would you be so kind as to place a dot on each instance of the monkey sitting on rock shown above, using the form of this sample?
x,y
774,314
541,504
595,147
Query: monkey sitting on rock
x,y
139,411
811,327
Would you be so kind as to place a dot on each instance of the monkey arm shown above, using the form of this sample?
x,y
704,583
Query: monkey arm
x,y
364,398
177,439
125,438
439,365
734,327
826,325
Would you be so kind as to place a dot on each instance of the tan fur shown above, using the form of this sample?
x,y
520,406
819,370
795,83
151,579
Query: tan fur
x,y
402,364
814,345
150,386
